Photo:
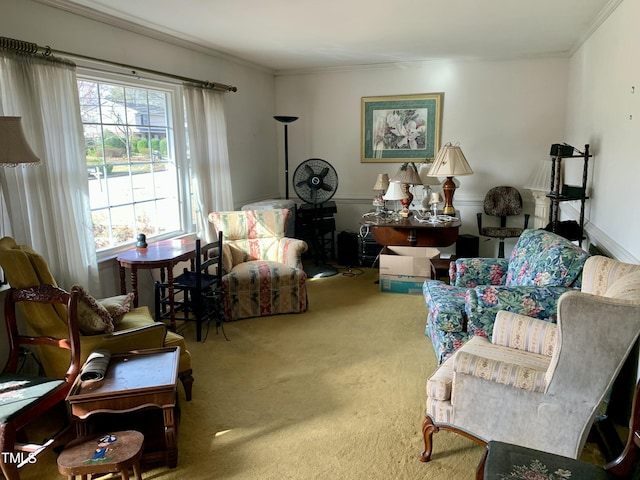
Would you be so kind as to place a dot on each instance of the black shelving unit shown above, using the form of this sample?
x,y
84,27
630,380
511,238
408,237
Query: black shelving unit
x,y
559,193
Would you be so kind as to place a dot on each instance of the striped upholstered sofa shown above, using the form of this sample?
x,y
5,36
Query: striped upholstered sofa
x,y
263,272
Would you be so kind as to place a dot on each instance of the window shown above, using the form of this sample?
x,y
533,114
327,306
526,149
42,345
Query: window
x,y
130,143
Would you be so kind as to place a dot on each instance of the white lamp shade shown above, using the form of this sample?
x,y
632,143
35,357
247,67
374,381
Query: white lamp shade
x,y
394,192
540,177
435,198
450,162
14,148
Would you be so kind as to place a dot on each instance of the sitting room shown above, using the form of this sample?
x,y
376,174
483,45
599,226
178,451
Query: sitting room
x,y
323,242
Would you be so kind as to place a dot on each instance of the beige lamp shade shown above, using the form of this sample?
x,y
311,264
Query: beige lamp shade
x,y
423,171
382,182
394,192
14,148
407,174
450,162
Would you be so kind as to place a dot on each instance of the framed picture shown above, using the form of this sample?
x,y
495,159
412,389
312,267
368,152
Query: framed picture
x,y
401,128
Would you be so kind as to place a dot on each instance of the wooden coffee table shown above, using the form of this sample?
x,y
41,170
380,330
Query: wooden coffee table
x,y
136,380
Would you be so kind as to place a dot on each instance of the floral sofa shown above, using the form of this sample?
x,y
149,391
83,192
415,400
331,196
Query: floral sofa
x,y
541,267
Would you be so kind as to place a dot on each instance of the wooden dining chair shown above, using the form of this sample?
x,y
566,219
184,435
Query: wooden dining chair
x,y
25,398
201,289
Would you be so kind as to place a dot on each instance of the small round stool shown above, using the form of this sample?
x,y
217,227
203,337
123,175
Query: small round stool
x,y
111,453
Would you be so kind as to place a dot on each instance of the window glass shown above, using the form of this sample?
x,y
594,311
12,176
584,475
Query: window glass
x,y
131,161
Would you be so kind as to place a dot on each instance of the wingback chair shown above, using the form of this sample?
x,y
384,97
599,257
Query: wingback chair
x,y
24,267
538,384
263,272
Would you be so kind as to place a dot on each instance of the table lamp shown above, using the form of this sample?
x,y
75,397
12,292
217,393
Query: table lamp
x,y
427,183
381,185
434,199
450,163
407,176
394,192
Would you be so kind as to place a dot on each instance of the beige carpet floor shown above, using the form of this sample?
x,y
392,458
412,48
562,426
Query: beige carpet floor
x,y
334,393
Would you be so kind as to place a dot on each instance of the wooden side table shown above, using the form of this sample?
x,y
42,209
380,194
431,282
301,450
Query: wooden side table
x,y
134,381
162,255
115,452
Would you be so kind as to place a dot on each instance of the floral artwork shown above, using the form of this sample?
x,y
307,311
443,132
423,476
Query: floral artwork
x,y
401,128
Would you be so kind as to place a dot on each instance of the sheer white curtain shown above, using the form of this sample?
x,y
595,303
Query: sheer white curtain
x,y
209,156
47,205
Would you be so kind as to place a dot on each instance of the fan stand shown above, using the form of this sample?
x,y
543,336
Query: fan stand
x,y
319,270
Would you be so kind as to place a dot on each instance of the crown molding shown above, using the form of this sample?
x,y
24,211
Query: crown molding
x,y
172,39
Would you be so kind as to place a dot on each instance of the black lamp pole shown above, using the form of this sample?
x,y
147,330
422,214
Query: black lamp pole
x,y
286,120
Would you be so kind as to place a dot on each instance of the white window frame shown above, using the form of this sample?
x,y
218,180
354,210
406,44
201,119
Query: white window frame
x,y
178,146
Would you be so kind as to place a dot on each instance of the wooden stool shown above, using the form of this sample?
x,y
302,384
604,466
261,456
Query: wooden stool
x,y
111,453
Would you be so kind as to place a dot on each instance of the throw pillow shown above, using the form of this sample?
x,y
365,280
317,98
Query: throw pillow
x,y
93,318
626,288
117,306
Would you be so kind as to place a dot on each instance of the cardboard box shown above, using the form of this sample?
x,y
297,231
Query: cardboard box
x,y
404,269
402,284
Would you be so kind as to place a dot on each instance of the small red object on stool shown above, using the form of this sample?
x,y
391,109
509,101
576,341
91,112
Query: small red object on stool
x,y
111,453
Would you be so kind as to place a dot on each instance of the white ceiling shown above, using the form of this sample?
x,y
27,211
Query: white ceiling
x,y
290,35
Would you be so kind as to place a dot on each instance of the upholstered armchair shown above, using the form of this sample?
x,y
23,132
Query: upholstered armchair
x,y
263,272
538,384
24,267
542,266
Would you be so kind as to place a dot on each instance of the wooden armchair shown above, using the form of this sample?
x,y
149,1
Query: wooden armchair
x,y
25,398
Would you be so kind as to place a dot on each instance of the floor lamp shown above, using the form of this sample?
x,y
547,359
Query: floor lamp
x,y
286,121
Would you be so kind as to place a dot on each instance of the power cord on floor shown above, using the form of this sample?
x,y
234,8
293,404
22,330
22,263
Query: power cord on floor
x,y
352,272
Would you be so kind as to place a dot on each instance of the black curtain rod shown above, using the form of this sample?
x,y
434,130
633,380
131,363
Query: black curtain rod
x,y
33,48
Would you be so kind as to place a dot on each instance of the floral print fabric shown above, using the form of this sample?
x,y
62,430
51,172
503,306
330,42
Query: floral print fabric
x,y
542,267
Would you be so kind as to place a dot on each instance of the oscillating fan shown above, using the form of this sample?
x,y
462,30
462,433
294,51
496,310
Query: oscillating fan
x,y
315,181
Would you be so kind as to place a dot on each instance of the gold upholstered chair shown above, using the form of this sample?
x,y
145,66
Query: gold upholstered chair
x,y
23,267
263,272
538,384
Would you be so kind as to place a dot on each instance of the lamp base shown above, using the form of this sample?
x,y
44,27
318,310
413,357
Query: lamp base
x,y
448,188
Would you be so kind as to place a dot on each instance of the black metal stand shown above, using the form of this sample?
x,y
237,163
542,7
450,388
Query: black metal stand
x,y
286,120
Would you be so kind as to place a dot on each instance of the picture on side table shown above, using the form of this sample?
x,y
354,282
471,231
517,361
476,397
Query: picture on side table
x,y
401,128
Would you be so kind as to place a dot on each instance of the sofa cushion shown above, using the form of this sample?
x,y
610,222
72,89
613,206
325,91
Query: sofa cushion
x,y
117,306
93,318
545,259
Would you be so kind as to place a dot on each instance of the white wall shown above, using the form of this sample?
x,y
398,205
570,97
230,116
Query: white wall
x,y
603,111
505,114
250,125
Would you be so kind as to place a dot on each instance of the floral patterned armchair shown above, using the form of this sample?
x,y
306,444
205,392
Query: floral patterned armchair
x,y
542,266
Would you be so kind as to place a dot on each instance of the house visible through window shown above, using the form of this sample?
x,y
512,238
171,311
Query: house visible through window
x,y
131,161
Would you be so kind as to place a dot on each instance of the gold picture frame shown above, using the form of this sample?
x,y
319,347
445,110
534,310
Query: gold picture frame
x,y
401,128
